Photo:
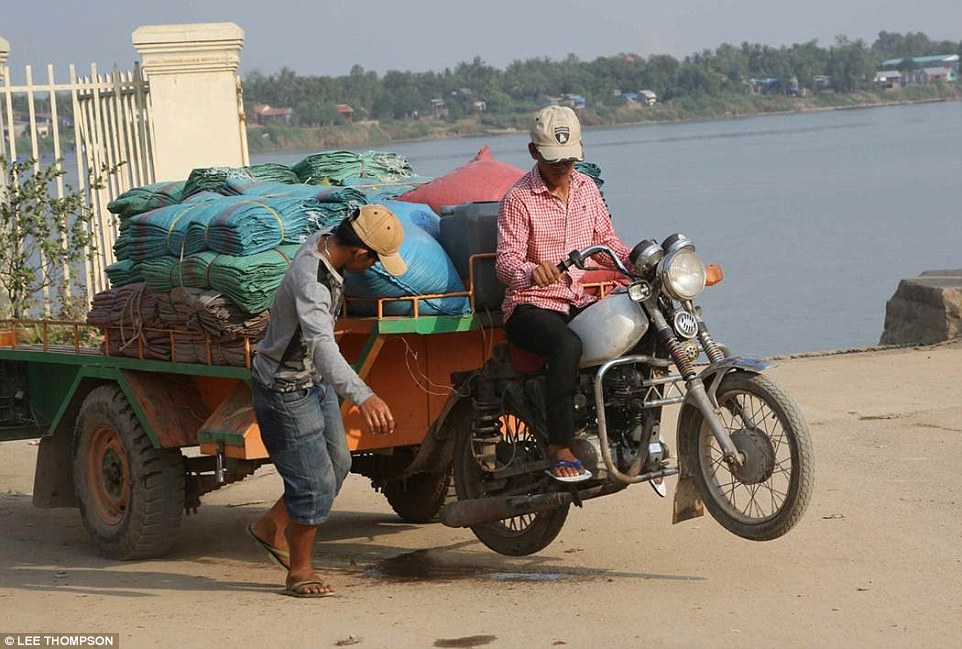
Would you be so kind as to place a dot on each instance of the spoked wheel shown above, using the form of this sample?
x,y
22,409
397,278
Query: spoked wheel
x,y
476,466
765,497
131,495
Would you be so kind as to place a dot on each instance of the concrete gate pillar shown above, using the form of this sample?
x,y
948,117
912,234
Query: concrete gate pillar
x,y
197,113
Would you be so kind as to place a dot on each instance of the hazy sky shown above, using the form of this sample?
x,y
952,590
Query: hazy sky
x,y
327,37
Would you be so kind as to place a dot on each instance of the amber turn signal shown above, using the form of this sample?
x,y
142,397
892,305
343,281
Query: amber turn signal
x,y
713,274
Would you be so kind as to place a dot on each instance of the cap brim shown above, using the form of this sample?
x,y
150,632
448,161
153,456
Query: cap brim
x,y
558,153
393,264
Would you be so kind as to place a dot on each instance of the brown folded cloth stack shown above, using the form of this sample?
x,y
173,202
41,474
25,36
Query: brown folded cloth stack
x,y
185,326
209,311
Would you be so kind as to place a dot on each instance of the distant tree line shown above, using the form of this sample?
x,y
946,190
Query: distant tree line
x,y
846,66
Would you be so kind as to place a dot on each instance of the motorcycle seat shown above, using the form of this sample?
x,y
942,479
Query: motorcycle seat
x,y
525,362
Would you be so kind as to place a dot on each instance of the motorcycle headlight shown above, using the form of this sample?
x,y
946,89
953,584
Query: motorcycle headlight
x,y
684,274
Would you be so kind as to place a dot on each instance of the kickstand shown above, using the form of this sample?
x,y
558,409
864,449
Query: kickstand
x,y
575,496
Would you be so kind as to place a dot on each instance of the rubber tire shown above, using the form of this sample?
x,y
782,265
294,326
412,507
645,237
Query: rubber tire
x,y
419,498
802,479
153,506
537,536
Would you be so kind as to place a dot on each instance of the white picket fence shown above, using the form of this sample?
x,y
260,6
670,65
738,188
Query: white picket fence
x,y
110,119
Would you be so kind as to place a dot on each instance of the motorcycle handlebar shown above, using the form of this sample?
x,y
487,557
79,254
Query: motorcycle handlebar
x,y
577,258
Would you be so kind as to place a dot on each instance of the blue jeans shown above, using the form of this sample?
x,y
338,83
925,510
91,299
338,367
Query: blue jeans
x,y
304,435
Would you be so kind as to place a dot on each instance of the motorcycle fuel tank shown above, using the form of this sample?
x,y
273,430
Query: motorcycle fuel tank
x,y
609,328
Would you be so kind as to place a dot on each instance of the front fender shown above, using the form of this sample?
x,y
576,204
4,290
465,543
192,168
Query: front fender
x,y
712,375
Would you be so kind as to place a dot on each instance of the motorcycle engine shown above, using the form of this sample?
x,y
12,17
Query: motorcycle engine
x,y
632,429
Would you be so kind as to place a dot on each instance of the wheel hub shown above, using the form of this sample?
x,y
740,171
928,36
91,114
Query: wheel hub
x,y
758,456
110,475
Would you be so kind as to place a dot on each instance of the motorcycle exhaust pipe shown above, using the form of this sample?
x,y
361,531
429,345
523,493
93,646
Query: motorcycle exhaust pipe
x,y
465,513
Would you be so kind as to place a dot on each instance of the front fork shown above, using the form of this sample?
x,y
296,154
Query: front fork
x,y
697,394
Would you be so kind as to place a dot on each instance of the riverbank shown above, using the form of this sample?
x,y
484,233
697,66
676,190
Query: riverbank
x,y
685,109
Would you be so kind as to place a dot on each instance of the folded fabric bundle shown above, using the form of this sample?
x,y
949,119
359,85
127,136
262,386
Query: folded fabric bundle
x,y
150,344
251,281
592,170
162,274
202,197
123,315
123,272
376,192
122,243
214,179
131,307
332,204
243,225
208,311
149,197
161,231
333,167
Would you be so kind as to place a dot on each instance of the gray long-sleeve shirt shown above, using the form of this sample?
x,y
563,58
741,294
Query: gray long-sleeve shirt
x,y
310,296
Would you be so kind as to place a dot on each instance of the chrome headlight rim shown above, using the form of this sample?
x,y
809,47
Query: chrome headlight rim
x,y
683,284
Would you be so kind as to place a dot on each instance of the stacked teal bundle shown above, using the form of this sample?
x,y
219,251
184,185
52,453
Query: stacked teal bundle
x,y
149,197
241,225
215,179
334,167
377,192
251,281
162,274
331,204
159,232
122,272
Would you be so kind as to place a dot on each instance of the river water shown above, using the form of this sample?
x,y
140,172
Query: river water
x,y
815,217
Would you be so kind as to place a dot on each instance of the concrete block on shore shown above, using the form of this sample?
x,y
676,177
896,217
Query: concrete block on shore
x,y
925,309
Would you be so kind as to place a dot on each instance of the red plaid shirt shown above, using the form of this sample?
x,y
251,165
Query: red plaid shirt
x,y
535,226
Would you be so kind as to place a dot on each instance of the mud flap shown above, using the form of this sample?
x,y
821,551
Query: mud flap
x,y
687,504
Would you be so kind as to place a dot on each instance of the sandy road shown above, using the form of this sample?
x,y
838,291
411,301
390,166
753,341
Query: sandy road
x,y
876,562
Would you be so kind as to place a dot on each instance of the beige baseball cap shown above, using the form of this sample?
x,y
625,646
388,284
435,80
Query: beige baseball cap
x,y
381,231
556,133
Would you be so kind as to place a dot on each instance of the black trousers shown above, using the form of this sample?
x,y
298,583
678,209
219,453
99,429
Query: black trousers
x,y
545,332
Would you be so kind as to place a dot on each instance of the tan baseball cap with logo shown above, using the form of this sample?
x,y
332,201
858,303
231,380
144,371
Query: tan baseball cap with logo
x,y
381,231
556,133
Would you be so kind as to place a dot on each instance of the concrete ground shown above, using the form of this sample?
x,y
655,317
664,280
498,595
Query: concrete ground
x,y
876,561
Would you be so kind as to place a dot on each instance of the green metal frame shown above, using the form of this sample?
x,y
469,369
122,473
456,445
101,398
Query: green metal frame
x,y
55,376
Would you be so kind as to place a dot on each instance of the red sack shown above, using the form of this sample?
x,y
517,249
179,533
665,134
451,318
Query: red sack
x,y
482,179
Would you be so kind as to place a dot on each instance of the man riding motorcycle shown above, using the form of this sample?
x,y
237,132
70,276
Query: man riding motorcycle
x,y
549,212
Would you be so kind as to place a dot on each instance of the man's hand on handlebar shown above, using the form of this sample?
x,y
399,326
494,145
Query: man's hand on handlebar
x,y
545,274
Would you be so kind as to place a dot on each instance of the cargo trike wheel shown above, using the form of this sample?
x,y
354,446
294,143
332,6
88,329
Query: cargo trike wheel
x,y
475,465
131,494
418,499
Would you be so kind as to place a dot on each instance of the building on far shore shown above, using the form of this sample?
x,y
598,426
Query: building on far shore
x,y
918,69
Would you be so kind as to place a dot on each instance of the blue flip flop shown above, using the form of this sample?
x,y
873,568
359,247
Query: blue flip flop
x,y
573,464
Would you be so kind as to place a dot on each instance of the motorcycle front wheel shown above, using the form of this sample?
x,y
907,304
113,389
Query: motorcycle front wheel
x,y
519,444
765,497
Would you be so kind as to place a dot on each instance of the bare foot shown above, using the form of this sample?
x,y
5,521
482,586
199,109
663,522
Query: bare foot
x,y
267,531
557,453
307,584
